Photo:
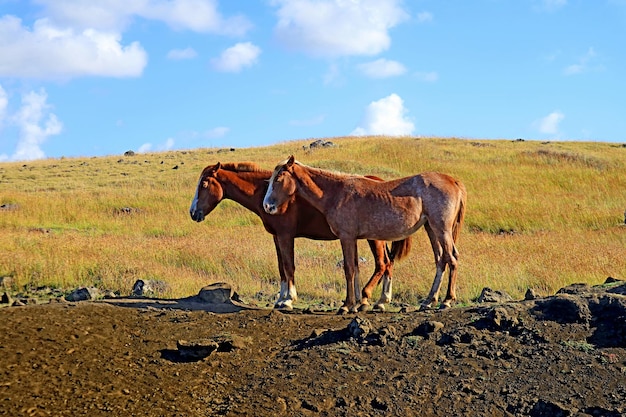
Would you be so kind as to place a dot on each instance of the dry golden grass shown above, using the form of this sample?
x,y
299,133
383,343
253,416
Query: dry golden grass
x,y
540,215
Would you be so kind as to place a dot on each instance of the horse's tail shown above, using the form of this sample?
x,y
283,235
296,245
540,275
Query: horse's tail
x,y
399,249
460,212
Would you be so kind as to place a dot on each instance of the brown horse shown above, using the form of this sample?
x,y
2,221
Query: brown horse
x,y
245,183
358,208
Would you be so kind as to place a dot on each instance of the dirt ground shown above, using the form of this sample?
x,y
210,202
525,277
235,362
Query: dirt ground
x,y
563,355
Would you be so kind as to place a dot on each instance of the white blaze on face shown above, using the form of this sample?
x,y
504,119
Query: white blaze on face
x,y
194,202
267,205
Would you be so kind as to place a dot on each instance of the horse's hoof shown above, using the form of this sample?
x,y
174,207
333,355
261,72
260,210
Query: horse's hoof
x,y
426,307
379,307
343,310
283,306
445,305
364,307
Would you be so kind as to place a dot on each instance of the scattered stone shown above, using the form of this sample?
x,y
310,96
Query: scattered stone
x,y
321,143
126,210
531,294
564,308
6,299
493,296
9,207
359,328
129,153
83,294
502,318
146,288
428,328
574,289
383,336
217,293
201,348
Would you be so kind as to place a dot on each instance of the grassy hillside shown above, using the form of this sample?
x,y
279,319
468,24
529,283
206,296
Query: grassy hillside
x,y
540,215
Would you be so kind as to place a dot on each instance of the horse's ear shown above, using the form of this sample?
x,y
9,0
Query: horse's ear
x,y
290,161
211,172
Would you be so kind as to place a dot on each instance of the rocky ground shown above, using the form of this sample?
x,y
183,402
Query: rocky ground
x,y
563,355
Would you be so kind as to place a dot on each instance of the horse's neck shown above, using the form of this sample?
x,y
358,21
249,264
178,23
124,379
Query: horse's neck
x,y
245,188
311,183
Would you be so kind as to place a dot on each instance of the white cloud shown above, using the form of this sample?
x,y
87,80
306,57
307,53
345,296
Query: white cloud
x,y
382,68
116,15
237,57
217,132
386,116
179,54
549,125
337,27
48,51
428,77
35,124
424,17
165,146
584,64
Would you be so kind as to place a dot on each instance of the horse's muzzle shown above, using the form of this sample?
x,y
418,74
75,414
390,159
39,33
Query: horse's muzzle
x,y
196,215
270,208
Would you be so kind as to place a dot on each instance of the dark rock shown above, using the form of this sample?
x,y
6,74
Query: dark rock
x,y
217,293
564,308
148,288
503,318
428,328
83,294
9,207
359,328
492,296
531,294
129,153
6,299
575,289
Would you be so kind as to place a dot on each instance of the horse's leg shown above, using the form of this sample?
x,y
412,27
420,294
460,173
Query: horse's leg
x,y
350,254
381,259
385,295
433,295
445,255
286,266
452,259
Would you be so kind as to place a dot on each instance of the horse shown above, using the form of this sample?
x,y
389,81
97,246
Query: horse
x,y
357,207
246,183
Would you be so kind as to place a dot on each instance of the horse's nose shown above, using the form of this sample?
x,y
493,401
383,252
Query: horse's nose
x,y
196,215
269,207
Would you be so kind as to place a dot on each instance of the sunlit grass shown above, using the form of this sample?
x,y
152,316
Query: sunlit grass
x,y
540,215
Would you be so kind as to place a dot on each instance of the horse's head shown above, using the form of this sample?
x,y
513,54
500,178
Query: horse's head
x,y
282,186
209,193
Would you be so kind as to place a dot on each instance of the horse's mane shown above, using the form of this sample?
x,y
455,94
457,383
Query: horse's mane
x,y
330,173
241,167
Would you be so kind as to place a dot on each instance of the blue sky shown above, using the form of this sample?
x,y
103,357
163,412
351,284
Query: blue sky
x,y
100,77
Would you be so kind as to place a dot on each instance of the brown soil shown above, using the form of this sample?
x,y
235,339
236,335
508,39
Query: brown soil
x,y
558,356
